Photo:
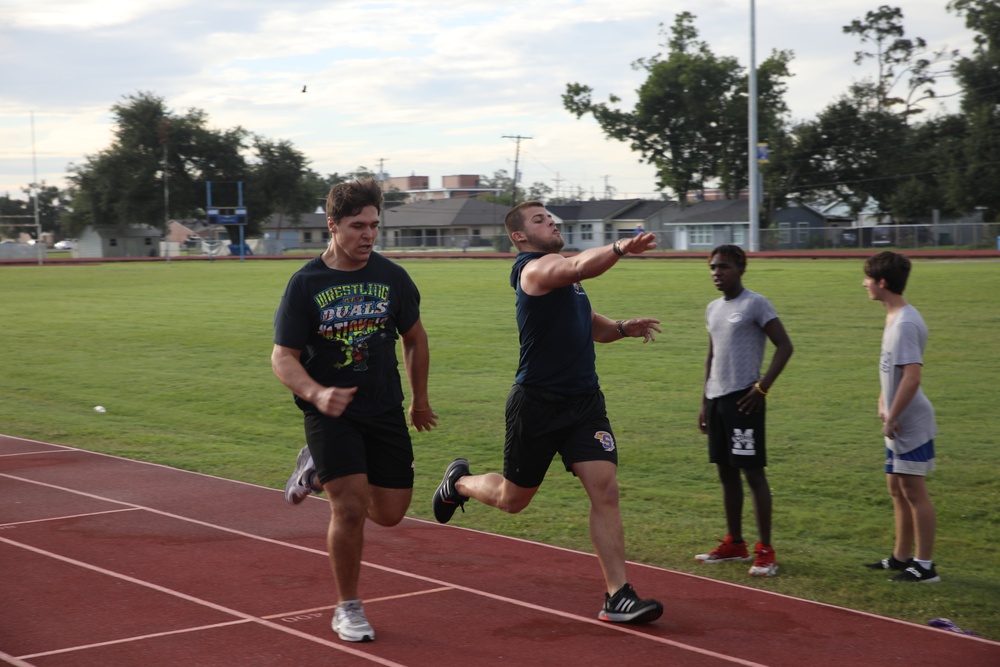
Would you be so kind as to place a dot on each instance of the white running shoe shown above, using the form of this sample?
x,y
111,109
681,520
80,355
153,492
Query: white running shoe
x,y
297,487
350,623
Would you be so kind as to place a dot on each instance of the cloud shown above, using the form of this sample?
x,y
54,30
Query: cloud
x,y
430,87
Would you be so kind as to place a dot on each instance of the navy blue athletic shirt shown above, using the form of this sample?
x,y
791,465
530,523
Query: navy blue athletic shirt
x,y
557,339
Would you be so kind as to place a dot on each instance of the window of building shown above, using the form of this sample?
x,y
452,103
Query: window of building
x,y
307,237
586,231
784,233
700,235
803,231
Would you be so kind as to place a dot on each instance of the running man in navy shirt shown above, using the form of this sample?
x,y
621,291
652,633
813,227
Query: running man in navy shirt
x,y
556,405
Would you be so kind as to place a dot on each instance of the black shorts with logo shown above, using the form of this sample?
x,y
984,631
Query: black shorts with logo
x,y
734,438
541,424
378,446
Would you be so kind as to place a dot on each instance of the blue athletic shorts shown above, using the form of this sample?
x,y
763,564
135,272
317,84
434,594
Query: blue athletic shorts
x,y
919,461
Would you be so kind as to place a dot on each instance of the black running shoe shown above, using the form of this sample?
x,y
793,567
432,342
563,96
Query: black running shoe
x,y
446,498
915,573
627,607
889,563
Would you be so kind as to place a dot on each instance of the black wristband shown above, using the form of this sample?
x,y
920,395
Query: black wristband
x,y
621,330
618,251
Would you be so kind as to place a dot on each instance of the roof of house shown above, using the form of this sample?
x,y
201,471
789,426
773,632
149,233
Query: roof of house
x,y
462,212
721,210
795,213
308,221
608,209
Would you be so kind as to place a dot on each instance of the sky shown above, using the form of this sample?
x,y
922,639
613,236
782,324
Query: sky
x,y
405,87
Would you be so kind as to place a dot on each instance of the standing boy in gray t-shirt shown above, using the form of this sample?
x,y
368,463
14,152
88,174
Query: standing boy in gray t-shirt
x,y
908,424
732,412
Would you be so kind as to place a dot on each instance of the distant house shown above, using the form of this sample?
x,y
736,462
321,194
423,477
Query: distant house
x,y
128,241
310,234
706,224
805,226
455,222
587,224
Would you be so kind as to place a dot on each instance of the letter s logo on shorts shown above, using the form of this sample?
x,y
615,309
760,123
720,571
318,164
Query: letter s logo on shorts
x,y
606,439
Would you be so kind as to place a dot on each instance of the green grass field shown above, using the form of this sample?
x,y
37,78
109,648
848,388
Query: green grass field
x,y
179,355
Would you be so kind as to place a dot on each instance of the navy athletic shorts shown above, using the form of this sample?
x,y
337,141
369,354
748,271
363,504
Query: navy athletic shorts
x,y
541,424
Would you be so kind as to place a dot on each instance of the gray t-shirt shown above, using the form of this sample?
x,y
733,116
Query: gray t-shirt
x,y
737,331
903,343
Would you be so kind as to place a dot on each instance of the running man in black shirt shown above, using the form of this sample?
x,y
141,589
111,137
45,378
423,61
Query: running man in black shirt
x,y
335,337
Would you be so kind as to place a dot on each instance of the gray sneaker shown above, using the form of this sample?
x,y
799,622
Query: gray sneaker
x,y
350,624
298,487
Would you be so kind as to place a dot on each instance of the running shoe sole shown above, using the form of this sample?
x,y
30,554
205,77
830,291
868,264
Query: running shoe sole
x,y
645,614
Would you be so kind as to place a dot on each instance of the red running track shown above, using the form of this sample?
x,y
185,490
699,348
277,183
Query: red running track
x,y
111,562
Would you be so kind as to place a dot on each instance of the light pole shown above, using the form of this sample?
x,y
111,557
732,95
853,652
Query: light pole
x,y
754,175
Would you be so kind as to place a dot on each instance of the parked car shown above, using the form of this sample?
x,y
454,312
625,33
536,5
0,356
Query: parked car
x,y
65,244
881,236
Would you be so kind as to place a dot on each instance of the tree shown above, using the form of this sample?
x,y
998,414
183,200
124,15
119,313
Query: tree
x,y
974,183
502,181
690,120
897,58
278,183
851,153
862,147
159,158
124,184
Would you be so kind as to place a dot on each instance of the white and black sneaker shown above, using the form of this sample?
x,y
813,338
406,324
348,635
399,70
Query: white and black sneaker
x,y
890,563
627,607
299,485
915,573
351,624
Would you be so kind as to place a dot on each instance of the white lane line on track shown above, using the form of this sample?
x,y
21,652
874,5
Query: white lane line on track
x,y
339,646
68,516
521,603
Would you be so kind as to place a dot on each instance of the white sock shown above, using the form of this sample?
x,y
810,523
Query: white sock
x,y
926,564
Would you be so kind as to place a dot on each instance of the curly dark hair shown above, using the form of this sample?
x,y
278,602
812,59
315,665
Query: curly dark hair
x,y
733,252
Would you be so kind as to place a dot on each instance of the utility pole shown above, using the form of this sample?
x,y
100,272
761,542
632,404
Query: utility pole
x,y
384,232
517,156
558,181
164,131
34,192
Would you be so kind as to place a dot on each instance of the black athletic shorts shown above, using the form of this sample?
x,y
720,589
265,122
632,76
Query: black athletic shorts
x,y
541,424
735,438
379,447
